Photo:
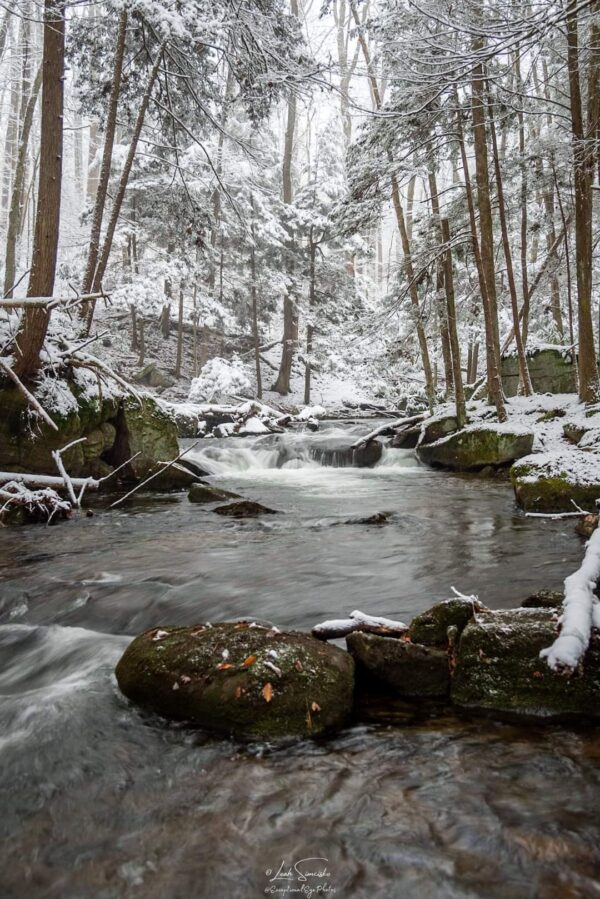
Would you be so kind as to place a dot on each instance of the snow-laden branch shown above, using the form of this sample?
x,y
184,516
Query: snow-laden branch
x,y
581,611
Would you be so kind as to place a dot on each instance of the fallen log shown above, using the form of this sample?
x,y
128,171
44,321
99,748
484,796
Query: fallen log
x,y
358,621
46,480
392,427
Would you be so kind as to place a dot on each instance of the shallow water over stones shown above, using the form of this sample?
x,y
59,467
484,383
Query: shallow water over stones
x,y
102,800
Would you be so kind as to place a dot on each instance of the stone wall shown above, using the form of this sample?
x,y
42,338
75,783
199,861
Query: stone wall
x,y
551,371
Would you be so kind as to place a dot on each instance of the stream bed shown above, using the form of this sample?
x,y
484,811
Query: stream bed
x,y
101,800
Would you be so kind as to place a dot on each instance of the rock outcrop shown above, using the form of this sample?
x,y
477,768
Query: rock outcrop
x,y
478,446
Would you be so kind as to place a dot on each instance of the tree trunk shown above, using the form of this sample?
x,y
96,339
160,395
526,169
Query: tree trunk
x,y
135,344
142,343
523,369
179,360
440,268
34,323
15,215
583,160
489,301
290,310
109,140
310,330
122,187
461,409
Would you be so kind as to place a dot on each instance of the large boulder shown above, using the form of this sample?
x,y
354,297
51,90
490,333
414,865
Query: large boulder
x,y
152,376
409,670
27,442
243,679
478,446
436,427
144,428
554,481
431,627
499,670
551,369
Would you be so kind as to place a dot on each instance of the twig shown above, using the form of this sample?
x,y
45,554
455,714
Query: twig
x,y
56,455
29,396
165,466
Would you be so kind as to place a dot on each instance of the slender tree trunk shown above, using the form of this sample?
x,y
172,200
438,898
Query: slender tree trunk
x,y
34,323
582,175
440,269
179,359
122,187
109,140
15,215
142,343
401,222
310,330
523,369
290,309
135,344
489,301
461,409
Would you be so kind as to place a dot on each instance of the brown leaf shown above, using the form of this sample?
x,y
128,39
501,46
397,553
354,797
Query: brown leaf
x,y
298,665
238,692
249,661
267,692
224,666
315,707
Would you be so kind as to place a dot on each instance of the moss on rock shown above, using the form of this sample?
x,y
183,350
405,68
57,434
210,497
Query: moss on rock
x,y
240,679
499,670
431,627
410,670
549,485
474,448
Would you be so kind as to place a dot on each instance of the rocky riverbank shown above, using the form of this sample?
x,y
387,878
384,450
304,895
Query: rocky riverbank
x,y
250,680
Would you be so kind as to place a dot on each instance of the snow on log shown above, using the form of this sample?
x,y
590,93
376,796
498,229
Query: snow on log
x,y
391,426
581,611
358,621
45,480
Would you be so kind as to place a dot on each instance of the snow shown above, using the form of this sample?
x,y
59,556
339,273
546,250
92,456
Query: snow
x,y
581,611
218,379
575,466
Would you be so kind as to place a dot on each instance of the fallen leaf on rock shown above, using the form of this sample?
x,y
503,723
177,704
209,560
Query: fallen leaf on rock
x,y
238,692
298,665
267,692
224,665
249,661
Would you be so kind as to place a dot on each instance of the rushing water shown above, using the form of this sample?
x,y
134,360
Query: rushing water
x,y
100,800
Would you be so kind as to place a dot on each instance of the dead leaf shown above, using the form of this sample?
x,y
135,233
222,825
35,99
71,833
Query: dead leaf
x,y
238,692
298,665
224,666
537,674
267,692
249,661
315,707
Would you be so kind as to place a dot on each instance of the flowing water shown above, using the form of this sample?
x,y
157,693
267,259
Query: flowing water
x,y
101,800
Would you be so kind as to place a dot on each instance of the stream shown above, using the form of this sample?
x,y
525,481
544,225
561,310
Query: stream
x,y
101,800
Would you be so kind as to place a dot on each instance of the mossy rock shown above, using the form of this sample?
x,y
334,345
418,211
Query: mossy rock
x,y
435,428
431,627
544,599
499,670
240,679
244,508
206,493
474,448
410,670
549,485
573,431
144,428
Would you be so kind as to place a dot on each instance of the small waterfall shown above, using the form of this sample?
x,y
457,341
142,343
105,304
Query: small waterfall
x,y
331,448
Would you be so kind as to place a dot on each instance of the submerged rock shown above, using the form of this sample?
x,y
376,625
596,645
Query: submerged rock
x,y
245,508
554,481
206,493
499,670
411,670
431,627
475,447
241,679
